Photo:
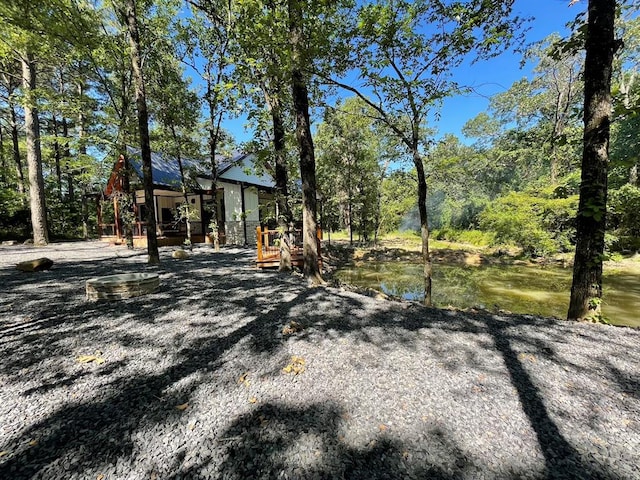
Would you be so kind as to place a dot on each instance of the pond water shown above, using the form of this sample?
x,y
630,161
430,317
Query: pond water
x,y
516,288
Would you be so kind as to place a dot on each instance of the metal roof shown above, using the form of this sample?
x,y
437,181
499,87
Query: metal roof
x,y
166,171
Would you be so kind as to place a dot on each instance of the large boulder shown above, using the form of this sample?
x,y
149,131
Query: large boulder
x,y
36,265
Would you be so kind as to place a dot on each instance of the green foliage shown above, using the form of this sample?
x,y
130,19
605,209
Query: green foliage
x,y
15,221
348,167
624,218
538,225
398,199
477,238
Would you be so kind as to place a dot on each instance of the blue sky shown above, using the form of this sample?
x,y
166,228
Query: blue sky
x,y
498,74
490,77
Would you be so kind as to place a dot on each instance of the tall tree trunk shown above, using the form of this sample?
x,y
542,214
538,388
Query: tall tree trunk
x,y
214,134
311,269
66,155
126,203
57,155
34,154
3,176
15,141
349,202
82,151
586,289
424,224
285,219
143,125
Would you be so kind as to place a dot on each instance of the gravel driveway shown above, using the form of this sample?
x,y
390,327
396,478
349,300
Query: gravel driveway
x,y
191,381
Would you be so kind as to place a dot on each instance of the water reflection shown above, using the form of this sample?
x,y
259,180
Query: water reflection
x,y
519,289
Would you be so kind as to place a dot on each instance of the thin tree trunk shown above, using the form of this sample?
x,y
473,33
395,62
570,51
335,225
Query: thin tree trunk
x,y
379,202
183,183
82,151
34,154
143,125
284,217
15,141
311,269
282,190
424,225
364,212
57,155
126,204
66,155
127,215
349,202
3,178
586,289
214,133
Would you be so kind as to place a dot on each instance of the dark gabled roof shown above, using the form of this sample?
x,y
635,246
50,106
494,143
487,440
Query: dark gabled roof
x,y
166,171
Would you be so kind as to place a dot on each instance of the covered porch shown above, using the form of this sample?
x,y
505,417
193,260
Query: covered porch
x,y
240,207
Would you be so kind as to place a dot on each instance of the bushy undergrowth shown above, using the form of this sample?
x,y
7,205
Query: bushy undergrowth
x,y
540,225
624,218
477,238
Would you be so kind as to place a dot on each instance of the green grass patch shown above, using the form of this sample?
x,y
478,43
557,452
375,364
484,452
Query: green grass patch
x,y
477,238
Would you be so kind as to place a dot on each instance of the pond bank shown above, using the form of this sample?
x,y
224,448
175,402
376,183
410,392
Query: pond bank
x,y
495,282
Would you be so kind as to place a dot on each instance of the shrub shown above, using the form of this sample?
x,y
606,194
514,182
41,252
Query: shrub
x,y
624,211
538,225
472,237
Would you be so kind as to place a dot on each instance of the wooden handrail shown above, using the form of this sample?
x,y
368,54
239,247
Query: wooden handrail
x,y
268,253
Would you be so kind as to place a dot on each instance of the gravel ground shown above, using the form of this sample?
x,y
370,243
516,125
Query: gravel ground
x,y
192,385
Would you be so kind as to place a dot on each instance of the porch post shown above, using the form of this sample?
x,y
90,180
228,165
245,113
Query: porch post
x,y
155,204
138,227
116,217
244,213
202,225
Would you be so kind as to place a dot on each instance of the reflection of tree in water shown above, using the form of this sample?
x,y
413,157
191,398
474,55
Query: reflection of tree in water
x,y
535,290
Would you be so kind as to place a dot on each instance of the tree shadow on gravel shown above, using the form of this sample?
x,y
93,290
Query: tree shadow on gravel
x,y
44,323
279,441
43,311
93,433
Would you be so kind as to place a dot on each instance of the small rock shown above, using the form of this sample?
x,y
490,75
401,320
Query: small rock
x,y
36,265
28,241
180,254
10,242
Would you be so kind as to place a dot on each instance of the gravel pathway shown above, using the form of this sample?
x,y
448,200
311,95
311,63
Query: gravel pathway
x,y
188,382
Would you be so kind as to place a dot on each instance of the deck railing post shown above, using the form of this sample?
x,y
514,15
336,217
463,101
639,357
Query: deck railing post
x,y
259,242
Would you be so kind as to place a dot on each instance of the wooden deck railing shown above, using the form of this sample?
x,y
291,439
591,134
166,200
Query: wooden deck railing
x,y
268,247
